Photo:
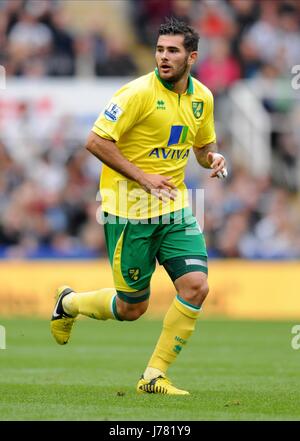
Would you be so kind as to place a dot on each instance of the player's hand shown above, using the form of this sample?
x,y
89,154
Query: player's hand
x,y
160,186
218,164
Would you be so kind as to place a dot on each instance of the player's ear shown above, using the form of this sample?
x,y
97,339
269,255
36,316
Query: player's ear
x,y
192,57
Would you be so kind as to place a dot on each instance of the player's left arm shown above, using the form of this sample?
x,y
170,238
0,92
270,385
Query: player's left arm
x,y
208,157
205,146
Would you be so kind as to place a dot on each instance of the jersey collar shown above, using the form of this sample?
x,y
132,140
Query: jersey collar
x,y
168,85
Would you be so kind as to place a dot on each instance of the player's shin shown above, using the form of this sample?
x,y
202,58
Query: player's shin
x,y
179,323
100,304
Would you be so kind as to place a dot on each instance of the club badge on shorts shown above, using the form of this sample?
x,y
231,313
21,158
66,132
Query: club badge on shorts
x,y
134,273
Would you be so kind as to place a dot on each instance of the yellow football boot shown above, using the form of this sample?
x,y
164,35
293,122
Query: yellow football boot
x,y
159,385
61,322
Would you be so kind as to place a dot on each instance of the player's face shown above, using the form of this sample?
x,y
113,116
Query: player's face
x,y
172,59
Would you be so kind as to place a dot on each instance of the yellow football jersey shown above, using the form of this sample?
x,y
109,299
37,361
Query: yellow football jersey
x,y
154,128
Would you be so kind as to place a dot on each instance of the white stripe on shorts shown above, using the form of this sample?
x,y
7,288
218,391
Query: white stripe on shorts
x,y
196,262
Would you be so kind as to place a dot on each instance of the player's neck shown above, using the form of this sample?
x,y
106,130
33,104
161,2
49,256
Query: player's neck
x,y
181,86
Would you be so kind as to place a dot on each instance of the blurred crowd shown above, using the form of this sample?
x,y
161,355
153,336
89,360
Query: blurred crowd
x,y
49,210
48,197
38,38
251,218
239,38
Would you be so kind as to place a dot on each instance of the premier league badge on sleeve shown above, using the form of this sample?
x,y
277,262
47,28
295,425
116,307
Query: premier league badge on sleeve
x,y
113,112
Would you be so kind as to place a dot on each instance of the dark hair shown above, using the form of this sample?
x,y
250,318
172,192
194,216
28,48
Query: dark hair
x,y
172,26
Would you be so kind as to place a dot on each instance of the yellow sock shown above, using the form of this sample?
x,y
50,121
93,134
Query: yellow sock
x,y
179,323
100,304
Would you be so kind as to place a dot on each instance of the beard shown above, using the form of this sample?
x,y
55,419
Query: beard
x,y
182,70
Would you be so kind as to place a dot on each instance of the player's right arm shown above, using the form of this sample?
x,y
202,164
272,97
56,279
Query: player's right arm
x,y
107,151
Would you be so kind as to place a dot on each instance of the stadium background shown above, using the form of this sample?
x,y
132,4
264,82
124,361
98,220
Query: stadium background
x,y
63,60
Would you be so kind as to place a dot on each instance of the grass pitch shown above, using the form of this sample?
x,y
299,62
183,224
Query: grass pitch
x,y
234,370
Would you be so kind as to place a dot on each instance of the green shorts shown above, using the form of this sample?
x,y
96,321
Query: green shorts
x,y
175,240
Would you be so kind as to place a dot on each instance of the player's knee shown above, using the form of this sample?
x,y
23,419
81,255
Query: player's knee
x,y
131,312
196,291
204,290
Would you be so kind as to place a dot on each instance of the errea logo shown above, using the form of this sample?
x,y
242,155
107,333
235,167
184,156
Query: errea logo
x,y
160,105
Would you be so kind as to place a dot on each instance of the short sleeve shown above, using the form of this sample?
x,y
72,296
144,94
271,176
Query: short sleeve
x,y
206,133
120,114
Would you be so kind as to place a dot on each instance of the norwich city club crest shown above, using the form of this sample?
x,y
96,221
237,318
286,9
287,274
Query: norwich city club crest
x,y
134,273
197,108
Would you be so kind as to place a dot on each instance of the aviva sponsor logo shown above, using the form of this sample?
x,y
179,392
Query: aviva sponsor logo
x,y
164,153
178,135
